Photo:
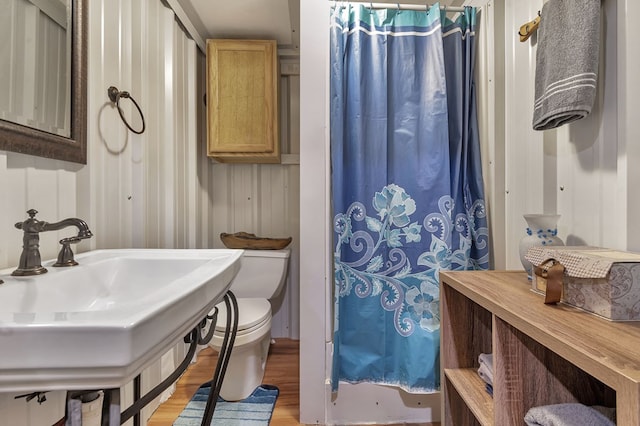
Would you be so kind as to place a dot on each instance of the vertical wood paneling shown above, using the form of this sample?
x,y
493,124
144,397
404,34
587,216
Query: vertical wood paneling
x,y
109,177
583,171
575,170
264,199
48,186
137,190
315,219
191,136
140,64
589,166
167,171
45,185
490,104
143,180
628,206
6,221
524,150
152,190
21,412
204,238
185,156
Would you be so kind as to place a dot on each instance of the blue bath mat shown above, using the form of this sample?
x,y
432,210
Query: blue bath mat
x,y
255,410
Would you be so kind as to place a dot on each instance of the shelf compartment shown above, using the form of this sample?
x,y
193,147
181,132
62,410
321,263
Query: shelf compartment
x,y
535,376
466,333
471,388
541,354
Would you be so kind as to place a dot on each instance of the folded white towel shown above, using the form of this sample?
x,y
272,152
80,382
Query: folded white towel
x,y
485,371
486,359
566,62
570,414
485,374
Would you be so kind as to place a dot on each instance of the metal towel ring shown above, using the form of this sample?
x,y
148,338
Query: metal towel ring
x,y
115,95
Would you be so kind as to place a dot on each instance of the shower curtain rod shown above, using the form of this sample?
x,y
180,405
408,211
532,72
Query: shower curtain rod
x,y
401,6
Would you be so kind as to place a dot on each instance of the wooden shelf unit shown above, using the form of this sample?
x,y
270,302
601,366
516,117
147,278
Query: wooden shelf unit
x,y
541,354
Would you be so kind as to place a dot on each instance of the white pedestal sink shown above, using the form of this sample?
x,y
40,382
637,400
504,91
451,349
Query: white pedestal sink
x,y
99,324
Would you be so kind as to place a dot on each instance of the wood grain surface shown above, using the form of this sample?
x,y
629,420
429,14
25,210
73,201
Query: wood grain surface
x,y
282,371
542,354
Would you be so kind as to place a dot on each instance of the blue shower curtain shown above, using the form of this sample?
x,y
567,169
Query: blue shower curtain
x,y
407,193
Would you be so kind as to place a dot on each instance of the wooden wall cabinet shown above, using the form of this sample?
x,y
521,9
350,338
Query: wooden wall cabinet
x,y
541,354
242,101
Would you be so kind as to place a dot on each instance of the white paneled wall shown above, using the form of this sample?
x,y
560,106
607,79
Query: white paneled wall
x,y
586,171
49,186
142,188
264,199
157,189
578,170
144,192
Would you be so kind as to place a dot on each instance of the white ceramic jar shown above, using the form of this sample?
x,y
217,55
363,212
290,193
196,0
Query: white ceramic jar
x,y
542,230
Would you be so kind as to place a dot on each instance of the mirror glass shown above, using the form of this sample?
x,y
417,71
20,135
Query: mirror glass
x,y
35,64
42,78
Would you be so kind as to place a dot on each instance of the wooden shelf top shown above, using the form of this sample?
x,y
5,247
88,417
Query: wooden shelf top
x,y
609,351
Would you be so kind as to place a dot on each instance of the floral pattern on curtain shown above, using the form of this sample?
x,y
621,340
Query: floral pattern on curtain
x,y
407,191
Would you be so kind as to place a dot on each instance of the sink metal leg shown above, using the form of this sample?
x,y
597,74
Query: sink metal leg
x,y
153,393
194,339
231,330
111,414
137,383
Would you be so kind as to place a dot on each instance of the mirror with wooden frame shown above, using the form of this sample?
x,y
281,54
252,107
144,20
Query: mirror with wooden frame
x,y
69,145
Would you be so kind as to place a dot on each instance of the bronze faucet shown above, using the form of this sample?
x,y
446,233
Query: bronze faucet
x,y
30,263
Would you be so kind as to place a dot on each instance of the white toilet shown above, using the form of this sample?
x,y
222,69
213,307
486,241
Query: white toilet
x,y
261,277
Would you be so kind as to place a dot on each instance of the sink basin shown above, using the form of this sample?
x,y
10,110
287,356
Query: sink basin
x,y
99,324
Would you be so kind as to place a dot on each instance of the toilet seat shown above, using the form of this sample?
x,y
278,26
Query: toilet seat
x,y
254,320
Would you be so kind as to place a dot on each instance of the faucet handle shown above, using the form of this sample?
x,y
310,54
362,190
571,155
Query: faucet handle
x,y
84,234
31,224
65,257
70,240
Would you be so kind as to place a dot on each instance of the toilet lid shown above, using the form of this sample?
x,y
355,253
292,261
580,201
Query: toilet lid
x,y
253,311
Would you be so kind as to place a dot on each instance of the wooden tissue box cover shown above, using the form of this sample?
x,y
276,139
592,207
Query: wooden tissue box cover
x,y
598,280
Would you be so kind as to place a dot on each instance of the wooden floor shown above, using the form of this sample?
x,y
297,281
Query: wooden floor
x,y
282,371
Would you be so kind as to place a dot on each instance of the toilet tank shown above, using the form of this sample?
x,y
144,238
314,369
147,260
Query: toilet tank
x,y
262,273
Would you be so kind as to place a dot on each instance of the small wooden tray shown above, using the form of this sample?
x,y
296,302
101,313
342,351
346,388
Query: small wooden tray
x,y
244,240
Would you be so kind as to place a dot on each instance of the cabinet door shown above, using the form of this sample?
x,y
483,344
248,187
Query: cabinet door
x,y
242,100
